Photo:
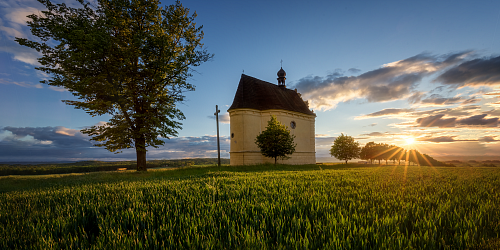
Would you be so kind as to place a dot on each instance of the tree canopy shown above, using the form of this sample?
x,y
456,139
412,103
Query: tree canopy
x,y
276,141
128,59
368,152
345,148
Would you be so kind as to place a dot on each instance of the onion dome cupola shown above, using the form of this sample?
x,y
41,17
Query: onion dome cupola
x,y
281,77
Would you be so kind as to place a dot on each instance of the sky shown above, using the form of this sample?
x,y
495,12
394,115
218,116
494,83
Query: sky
x,y
382,71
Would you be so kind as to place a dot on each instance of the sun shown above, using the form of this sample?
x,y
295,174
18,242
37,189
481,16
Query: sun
x,y
410,140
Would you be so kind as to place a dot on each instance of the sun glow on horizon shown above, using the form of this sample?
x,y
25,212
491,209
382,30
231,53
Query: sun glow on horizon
x,y
410,140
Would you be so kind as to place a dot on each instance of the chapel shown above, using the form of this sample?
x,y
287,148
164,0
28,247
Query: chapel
x,y
254,103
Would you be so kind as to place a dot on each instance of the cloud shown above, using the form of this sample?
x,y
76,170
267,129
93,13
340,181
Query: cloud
x,y
440,139
353,70
21,53
438,100
11,32
488,139
493,112
393,81
481,71
466,148
19,15
479,121
385,112
416,97
324,141
435,121
13,24
492,94
59,136
414,113
321,135
475,121
375,134
66,144
471,100
66,131
194,147
58,89
223,118
323,144
456,111
22,84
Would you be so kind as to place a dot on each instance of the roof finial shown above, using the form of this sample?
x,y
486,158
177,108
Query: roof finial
x,y
281,63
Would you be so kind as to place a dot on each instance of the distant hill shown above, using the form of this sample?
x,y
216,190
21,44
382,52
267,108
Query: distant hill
x,y
332,159
467,158
34,162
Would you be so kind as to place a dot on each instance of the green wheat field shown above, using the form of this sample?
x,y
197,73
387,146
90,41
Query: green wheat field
x,y
255,207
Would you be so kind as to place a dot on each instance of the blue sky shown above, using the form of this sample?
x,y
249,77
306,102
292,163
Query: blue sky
x,y
381,71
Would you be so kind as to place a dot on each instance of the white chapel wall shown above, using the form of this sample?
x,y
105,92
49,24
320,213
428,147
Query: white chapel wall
x,y
246,124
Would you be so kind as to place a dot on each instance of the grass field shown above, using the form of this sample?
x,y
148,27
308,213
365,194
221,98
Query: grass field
x,y
258,207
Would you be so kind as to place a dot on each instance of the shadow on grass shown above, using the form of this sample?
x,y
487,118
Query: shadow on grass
x,y
96,166
30,182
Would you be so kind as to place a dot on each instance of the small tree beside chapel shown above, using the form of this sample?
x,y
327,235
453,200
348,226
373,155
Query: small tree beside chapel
x,y
276,141
345,148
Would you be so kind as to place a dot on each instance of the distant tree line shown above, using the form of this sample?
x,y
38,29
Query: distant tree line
x,y
345,148
385,152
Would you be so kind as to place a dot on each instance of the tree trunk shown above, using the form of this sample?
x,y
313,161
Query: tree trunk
x,y
345,162
140,149
275,160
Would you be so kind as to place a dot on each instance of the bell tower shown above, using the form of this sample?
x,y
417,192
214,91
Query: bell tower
x,y
281,77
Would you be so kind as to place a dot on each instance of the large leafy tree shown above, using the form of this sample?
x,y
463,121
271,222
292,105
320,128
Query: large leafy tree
x,y
127,58
276,141
345,148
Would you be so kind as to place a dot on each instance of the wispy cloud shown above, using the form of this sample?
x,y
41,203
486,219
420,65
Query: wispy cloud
x,y
385,112
58,89
459,111
440,139
375,134
438,100
13,19
223,118
22,84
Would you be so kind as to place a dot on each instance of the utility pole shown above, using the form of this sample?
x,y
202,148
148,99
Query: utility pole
x,y
217,111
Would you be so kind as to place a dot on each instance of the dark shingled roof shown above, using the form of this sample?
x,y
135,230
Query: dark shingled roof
x,y
253,93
